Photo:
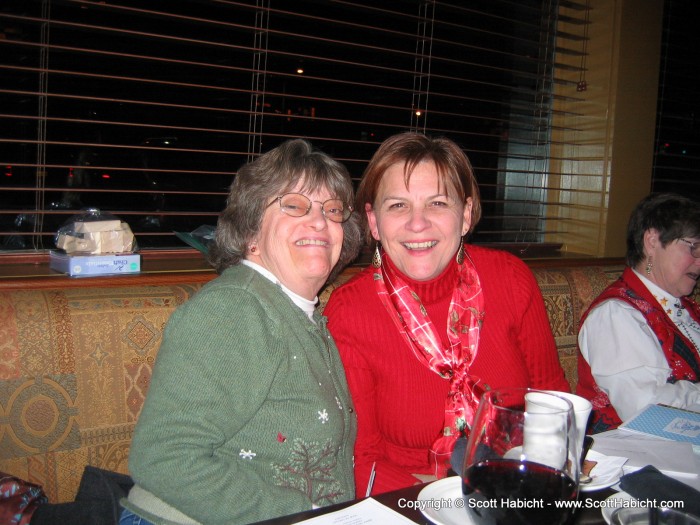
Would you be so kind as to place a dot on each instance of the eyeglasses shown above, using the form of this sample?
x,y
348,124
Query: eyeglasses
x,y
694,247
298,205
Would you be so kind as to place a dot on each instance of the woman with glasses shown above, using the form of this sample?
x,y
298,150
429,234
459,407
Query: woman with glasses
x,y
639,340
248,415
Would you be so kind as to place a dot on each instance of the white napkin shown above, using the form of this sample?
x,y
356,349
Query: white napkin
x,y
673,458
607,468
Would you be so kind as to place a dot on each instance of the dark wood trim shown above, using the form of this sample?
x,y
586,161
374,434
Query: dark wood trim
x,y
40,257
575,262
160,268
31,271
109,281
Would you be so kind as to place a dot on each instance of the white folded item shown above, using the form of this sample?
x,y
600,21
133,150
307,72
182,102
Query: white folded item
x,y
673,458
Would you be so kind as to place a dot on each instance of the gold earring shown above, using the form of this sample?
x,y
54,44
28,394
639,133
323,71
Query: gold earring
x,y
650,265
460,252
377,257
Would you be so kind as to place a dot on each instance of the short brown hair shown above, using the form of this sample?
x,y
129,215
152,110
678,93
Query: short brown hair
x,y
453,167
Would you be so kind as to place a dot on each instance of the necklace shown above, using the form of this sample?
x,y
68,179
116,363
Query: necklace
x,y
680,323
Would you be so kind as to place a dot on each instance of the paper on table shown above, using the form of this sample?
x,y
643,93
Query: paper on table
x,y
367,511
673,458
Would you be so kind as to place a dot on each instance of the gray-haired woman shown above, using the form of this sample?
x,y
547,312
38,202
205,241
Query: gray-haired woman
x,y
639,341
248,415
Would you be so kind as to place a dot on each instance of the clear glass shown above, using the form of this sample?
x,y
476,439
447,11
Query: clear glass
x,y
521,458
298,205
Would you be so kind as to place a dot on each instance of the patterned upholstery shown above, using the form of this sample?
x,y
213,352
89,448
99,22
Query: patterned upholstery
x,y
567,292
75,366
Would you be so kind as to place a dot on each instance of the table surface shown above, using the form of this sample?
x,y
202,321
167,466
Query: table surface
x,y
586,516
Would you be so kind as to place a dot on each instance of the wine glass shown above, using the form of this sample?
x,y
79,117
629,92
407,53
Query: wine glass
x,y
521,465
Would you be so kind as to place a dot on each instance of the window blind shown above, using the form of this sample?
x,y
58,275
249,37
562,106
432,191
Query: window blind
x,y
677,150
147,109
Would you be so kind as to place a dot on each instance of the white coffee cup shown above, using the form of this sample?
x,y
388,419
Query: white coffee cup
x,y
582,410
545,427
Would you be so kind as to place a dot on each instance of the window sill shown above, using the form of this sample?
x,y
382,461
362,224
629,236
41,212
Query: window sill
x,y
159,267
31,270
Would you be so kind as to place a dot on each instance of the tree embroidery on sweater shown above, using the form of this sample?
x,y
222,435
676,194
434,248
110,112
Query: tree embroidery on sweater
x,y
310,470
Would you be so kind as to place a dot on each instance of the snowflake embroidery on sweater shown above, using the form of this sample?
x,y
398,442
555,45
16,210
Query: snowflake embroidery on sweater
x,y
247,454
310,469
323,416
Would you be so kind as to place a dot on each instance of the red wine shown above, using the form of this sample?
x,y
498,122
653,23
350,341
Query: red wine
x,y
511,492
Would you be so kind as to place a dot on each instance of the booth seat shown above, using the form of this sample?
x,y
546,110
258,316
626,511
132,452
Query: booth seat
x,y
76,361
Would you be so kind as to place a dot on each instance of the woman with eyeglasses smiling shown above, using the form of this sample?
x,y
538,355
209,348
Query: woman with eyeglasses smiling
x,y
248,415
640,339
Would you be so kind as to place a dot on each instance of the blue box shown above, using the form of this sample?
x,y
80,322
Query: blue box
x,y
82,265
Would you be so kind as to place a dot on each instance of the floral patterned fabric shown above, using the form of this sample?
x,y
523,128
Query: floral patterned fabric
x,y
567,293
75,366
18,500
465,317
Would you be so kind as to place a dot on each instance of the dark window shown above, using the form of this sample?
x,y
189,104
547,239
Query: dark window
x,y
147,109
677,153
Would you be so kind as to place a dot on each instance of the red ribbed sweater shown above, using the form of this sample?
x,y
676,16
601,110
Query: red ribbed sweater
x,y
399,402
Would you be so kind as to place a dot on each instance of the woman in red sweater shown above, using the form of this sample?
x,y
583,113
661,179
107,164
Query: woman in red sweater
x,y
433,322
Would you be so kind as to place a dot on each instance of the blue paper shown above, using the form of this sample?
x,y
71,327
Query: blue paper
x,y
667,422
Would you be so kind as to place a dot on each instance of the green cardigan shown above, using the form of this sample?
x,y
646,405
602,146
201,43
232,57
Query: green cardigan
x,y
248,415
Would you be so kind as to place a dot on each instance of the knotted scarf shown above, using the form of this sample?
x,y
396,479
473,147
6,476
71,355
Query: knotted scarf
x,y
465,316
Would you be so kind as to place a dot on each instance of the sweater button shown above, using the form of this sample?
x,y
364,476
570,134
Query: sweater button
x,y
351,410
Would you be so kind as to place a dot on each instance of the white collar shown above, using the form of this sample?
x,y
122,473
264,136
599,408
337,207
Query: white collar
x,y
670,304
308,306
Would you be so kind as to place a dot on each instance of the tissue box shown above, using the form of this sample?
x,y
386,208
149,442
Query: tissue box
x,y
96,237
80,265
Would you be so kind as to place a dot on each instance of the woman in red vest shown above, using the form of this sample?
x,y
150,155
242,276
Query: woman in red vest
x,y
639,339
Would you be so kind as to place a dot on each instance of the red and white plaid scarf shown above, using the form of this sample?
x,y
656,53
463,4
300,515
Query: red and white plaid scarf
x,y
465,316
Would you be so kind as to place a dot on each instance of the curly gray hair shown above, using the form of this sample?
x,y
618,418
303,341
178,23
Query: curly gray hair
x,y
272,174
